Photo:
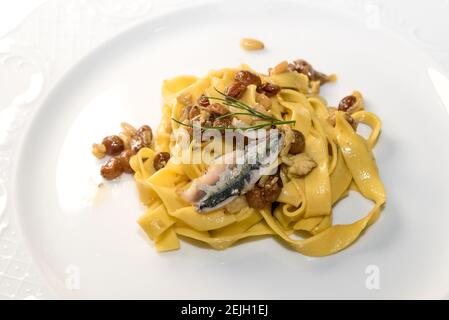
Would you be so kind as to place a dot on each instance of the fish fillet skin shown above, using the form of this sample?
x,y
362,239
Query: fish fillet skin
x,y
223,182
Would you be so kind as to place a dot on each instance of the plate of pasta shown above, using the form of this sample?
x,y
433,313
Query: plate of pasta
x,y
240,154
184,160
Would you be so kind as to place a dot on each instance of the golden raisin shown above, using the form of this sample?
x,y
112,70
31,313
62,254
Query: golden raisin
x,y
218,109
347,103
235,90
111,169
113,145
269,89
203,101
141,139
194,112
299,142
247,78
225,122
272,189
255,198
124,158
306,68
160,160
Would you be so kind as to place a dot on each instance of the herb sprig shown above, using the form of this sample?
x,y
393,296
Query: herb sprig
x,y
233,102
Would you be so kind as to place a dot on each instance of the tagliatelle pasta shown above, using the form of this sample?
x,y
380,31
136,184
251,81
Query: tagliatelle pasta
x,y
305,185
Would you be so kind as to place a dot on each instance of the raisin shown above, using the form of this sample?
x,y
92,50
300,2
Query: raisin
x,y
247,78
269,89
347,103
235,90
113,144
299,142
111,169
124,158
160,160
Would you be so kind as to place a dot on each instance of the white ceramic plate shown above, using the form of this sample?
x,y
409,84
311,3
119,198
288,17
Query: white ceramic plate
x,y
86,241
